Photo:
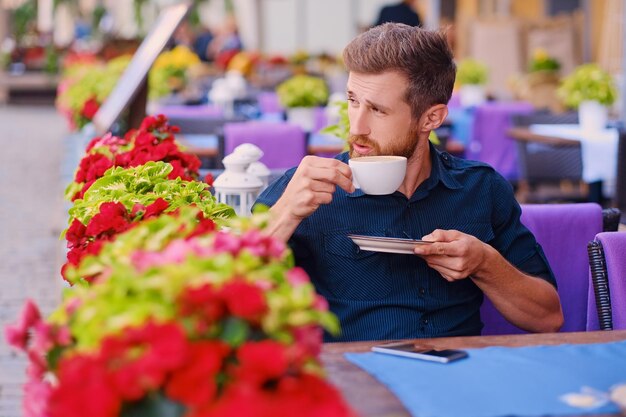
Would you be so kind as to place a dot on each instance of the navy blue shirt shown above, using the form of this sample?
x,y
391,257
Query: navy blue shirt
x,y
380,296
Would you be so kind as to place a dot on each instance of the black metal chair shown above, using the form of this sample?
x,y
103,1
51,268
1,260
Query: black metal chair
x,y
598,270
620,179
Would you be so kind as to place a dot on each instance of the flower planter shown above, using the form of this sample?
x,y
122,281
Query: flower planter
x,y
472,95
302,116
592,116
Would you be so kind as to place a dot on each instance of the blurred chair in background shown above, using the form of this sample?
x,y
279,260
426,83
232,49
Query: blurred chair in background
x,y
283,144
489,141
549,173
607,297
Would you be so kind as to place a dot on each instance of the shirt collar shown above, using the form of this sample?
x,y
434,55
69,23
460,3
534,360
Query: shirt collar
x,y
441,162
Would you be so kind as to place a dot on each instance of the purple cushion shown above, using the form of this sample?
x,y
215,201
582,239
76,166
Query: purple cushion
x,y
269,103
614,246
283,144
563,231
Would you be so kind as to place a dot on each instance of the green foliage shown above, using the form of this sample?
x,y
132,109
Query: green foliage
x,y
129,296
23,18
472,72
143,185
588,83
541,61
303,91
150,235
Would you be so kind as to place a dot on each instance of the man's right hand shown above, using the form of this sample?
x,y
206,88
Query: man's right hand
x,y
312,185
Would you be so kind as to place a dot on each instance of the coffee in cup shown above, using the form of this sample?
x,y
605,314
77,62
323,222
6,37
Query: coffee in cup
x,y
378,175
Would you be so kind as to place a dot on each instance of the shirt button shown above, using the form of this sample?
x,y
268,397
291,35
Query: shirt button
x,y
425,321
422,290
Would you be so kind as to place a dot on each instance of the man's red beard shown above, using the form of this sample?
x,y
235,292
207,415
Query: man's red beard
x,y
404,147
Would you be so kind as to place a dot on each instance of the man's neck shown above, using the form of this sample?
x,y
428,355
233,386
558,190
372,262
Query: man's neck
x,y
418,168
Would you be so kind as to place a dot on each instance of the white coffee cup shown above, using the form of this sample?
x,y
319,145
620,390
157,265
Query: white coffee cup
x,y
378,175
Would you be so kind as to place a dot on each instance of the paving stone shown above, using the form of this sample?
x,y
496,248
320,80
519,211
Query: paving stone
x,y
34,143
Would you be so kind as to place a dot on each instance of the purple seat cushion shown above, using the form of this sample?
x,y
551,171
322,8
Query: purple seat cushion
x,y
614,246
283,144
269,102
563,231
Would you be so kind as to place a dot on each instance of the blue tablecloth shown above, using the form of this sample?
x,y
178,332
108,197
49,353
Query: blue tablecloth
x,y
499,381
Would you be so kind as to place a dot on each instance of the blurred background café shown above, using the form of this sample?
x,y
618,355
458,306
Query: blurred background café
x,y
538,80
540,95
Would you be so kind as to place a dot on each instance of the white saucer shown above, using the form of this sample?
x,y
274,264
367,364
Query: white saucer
x,y
387,244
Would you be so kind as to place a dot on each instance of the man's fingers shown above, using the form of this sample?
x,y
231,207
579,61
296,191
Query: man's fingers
x,y
438,248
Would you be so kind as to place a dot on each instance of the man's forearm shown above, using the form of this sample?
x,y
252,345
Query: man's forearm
x,y
528,302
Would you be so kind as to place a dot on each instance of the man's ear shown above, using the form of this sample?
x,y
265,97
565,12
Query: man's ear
x,y
434,117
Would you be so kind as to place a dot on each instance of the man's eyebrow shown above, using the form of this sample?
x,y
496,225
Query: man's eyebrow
x,y
377,105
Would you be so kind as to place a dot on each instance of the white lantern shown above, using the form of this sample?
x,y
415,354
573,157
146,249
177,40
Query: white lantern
x,y
256,168
235,186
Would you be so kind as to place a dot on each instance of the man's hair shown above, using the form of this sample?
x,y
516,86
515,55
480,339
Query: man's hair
x,y
423,56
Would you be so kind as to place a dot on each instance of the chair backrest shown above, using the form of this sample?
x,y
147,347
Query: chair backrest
x,y
563,231
490,142
608,272
283,144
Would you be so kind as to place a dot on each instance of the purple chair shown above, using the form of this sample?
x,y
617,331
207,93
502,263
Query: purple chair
x,y
269,103
283,144
563,231
607,296
489,141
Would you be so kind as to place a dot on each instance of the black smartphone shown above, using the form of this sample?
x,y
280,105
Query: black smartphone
x,y
412,350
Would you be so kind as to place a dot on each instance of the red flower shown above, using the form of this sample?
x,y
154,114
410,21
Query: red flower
x,y
112,219
204,303
90,108
244,300
156,208
260,362
140,359
208,178
83,390
195,383
92,167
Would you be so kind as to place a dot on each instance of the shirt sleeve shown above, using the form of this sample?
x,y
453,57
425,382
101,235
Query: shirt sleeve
x,y
275,190
512,239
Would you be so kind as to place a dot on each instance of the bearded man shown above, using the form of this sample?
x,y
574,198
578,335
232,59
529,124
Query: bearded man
x,y
400,82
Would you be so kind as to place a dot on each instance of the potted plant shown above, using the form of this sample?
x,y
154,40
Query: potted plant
x,y
472,76
591,90
538,86
300,94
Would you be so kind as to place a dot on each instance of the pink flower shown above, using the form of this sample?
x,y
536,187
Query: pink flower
x,y
297,276
226,242
36,398
17,335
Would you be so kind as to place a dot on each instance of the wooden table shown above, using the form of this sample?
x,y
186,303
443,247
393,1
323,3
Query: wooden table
x,y
369,398
524,134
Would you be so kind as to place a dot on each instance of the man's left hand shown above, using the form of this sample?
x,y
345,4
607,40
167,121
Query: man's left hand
x,y
453,254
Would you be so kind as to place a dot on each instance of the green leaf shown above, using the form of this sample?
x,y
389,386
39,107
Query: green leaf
x,y
153,405
235,331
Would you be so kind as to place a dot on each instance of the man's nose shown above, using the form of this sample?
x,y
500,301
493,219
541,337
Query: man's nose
x,y
358,122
